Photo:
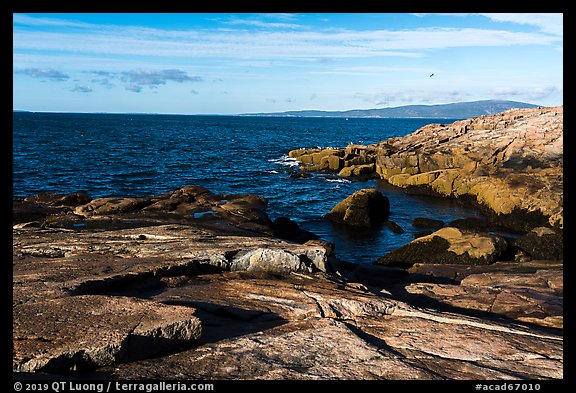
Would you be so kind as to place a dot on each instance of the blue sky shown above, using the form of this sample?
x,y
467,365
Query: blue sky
x,y
227,63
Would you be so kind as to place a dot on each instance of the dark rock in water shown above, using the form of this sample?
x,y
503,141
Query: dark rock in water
x,y
366,208
542,243
447,245
394,227
422,233
472,223
301,175
285,228
429,223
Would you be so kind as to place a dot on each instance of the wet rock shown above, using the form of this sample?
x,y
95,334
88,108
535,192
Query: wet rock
x,y
429,223
365,208
447,245
185,205
394,227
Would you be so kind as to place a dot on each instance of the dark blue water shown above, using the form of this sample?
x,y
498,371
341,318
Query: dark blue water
x,y
143,155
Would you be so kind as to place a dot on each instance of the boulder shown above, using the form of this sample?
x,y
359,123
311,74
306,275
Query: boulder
x,y
278,261
366,208
448,245
542,243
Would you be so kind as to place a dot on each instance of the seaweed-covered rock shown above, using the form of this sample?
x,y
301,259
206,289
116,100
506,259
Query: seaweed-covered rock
x,y
447,245
542,243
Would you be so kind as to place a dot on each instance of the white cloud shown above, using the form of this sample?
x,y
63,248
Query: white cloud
x,y
551,23
371,70
545,22
413,97
260,23
50,74
81,89
253,44
527,93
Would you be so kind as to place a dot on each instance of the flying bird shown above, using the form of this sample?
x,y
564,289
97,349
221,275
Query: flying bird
x,y
431,75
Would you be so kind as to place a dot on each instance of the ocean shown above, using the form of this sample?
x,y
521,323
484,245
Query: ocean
x,y
143,155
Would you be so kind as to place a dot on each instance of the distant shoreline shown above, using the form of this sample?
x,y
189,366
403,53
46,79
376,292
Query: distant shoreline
x,y
458,110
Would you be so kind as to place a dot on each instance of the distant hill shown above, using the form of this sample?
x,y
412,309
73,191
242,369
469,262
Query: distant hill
x,y
457,110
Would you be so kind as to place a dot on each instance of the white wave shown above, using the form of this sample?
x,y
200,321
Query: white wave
x,y
339,180
285,160
272,171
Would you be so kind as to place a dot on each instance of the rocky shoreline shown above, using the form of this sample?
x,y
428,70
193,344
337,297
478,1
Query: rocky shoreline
x,y
509,164
195,285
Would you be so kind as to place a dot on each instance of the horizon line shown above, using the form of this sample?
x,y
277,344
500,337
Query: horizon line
x,y
278,114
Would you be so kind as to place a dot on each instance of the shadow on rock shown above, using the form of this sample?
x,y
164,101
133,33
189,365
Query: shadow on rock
x,y
222,322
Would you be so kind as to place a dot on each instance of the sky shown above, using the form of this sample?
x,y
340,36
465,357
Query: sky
x,y
227,63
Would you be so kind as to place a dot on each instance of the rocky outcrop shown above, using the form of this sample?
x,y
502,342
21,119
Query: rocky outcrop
x,y
86,332
447,245
526,291
509,164
310,327
164,294
189,204
354,160
365,208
